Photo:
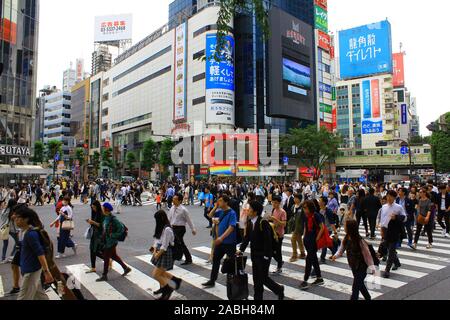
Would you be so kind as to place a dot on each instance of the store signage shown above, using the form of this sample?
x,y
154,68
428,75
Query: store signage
x,y
321,17
113,28
324,41
6,150
180,73
322,3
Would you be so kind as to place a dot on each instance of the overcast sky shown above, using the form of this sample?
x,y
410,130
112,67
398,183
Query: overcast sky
x,y
66,33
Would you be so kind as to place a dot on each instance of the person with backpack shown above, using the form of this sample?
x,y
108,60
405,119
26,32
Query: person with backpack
x,y
179,217
313,230
279,219
113,232
33,261
261,238
359,258
225,244
95,241
163,260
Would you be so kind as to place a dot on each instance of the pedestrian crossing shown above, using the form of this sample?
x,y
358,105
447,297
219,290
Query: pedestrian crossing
x,y
153,203
337,275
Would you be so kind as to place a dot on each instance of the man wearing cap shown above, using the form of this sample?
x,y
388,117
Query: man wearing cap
x,y
112,230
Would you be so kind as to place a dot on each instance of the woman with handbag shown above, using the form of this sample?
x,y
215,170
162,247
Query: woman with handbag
x,y
8,228
66,227
424,218
94,234
162,259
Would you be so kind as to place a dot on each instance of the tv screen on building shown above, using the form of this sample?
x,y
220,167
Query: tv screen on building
x,y
297,76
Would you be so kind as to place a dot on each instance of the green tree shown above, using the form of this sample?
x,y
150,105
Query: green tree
x,y
315,148
107,158
131,160
96,162
149,154
80,156
440,142
165,154
419,140
54,147
38,152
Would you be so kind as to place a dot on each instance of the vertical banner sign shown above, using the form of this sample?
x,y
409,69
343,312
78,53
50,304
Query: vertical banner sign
x,y
321,18
220,82
334,117
372,122
404,114
322,3
180,73
324,41
398,70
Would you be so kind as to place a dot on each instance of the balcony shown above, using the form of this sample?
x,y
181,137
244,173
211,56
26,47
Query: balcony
x,y
61,130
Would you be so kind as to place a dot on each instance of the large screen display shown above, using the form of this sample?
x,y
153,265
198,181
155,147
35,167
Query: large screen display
x,y
297,76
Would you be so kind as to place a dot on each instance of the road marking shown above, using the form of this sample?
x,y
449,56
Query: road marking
x,y
144,281
193,279
52,295
100,290
289,292
2,291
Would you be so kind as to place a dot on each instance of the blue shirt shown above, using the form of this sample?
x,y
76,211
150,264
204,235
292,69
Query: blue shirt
x,y
170,192
227,219
209,200
30,251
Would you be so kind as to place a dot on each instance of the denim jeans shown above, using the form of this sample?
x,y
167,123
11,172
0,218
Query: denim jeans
x,y
64,241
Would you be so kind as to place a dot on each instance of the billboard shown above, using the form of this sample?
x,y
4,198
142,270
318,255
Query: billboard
x,y
324,40
291,88
220,82
80,70
8,22
180,52
321,18
322,3
365,50
398,70
372,122
113,28
220,149
404,112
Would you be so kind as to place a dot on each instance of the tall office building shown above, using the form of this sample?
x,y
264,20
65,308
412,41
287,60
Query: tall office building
x,y
69,78
101,59
40,110
19,26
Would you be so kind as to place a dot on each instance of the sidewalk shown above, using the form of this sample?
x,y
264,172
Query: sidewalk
x,y
432,287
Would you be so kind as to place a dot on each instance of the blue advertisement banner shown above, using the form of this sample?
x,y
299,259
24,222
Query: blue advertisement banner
x,y
366,50
219,74
404,114
366,99
372,127
325,88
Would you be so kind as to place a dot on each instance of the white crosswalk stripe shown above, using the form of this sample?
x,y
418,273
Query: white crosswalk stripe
x,y
2,291
193,279
52,295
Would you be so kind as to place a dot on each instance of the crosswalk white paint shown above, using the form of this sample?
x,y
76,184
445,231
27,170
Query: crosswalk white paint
x,y
193,279
2,291
289,292
329,284
145,282
100,290
52,295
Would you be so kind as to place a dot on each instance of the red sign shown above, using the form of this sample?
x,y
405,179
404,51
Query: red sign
x,y
8,31
328,126
308,172
322,3
107,144
376,103
220,150
331,52
324,41
334,118
399,70
204,171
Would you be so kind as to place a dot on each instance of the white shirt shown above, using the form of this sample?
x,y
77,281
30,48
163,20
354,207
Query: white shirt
x,y
167,239
67,210
284,199
443,203
254,221
388,211
179,217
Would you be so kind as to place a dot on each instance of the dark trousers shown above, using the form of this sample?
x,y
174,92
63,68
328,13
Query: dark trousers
x,y
219,252
206,212
311,258
158,206
260,267
108,254
278,253
94,256
373,224
392,256
443,215
360,215
40,200
359,285
179,232
64,241
409,225
428,229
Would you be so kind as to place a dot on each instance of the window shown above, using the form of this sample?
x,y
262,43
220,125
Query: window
x,y
205,29
105,112
131,121
105,97
199,77
426,151
144,80
104,127
105,82
198,101
198,55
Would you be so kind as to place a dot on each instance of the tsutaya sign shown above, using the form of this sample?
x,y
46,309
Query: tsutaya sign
x,y
14,151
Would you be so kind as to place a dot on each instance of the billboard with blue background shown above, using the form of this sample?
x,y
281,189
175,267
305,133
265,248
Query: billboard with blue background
x,y
365,50
372,121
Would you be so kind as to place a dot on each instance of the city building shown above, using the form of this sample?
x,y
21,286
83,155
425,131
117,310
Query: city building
x,y
57,118
80,113
19,25
101,59
69,78
38,134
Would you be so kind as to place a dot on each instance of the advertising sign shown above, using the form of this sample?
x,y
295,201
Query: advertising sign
x,y
179,113
399,70
321,18
8,22
365,50
18,151
113,28
220,82
404,114
334,118
80,70
220,149
324,41
325,88
322,3
372,122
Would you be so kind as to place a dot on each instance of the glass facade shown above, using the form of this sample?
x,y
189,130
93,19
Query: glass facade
x,y
95,114
80,100
19,26
133,139
180,10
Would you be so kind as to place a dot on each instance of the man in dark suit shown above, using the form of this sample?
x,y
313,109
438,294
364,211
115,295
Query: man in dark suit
x,y
443,206
371,206
259,236
288,205
408,206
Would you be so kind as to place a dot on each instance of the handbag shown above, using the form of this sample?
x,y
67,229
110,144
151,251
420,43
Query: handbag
x,y
325,241
4,232
421,220
89,232
68,225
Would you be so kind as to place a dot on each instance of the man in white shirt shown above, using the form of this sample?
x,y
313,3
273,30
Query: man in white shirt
x,y
179,217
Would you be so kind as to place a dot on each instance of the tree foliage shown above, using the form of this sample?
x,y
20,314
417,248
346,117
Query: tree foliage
x,y
165,154
80,156
130,160
419,140
54,147
440,142
315,148
107,158
96,162
38,152
149,154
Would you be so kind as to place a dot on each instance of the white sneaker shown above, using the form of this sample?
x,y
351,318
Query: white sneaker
x,y
444,233
447,235
430,246
60,256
